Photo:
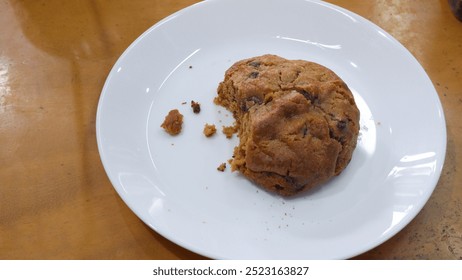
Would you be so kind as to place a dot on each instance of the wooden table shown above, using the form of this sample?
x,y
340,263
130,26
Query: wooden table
x,y
56,201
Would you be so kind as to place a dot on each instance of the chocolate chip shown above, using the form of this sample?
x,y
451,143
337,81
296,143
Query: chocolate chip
x,y
255,99
243,107
331,133
255,64
291,180
338,138
249,102
278,187
309,96
341,124
253,75
304,130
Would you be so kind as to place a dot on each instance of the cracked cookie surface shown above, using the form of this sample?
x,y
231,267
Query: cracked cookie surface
x,y
297,122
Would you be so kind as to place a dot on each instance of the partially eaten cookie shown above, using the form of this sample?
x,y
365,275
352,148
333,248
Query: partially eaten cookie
x,y
297,122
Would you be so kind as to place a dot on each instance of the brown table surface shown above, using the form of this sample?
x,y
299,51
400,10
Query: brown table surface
x,y
56,201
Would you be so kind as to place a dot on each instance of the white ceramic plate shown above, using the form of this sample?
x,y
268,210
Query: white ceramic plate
x,y
172,184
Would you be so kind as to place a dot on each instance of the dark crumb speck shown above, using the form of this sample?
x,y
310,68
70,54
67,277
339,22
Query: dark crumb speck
x,y
196,107
190,66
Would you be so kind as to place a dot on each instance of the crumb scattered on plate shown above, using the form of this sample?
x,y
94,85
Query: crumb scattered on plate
x,y
222,167
209,129
173,122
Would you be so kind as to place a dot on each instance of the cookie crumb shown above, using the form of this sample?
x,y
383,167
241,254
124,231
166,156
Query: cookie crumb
x,y
173,122
184,103
209,129
229,131
196,106
222,167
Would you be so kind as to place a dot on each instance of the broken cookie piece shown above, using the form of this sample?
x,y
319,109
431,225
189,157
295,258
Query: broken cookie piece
x,y
209,130
173,122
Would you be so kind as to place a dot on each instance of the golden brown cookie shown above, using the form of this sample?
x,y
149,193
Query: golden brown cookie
x,y
297,122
